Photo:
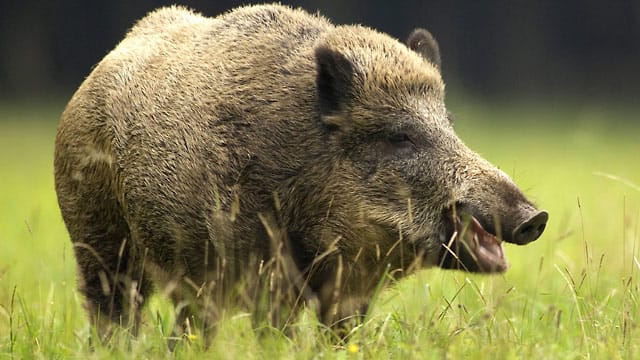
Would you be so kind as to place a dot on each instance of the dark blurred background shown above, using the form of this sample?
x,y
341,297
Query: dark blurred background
x,y
585,50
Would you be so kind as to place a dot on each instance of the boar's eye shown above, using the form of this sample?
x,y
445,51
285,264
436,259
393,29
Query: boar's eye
x,y
400,140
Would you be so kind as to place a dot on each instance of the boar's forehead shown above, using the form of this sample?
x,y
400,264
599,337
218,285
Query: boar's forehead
x,y
382,63
391,83
401,112
401,90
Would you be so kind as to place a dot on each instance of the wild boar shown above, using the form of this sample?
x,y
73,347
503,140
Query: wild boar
x,y
270,157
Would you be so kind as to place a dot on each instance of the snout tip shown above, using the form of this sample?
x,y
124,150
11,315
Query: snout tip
x,y
530,229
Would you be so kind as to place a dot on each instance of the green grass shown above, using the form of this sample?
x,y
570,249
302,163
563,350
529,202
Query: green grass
x,y
572,294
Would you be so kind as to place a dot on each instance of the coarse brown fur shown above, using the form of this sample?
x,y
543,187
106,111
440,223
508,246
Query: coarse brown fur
x,y
205,155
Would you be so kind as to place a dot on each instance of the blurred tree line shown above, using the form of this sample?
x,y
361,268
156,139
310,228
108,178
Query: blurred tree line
x,y
540,49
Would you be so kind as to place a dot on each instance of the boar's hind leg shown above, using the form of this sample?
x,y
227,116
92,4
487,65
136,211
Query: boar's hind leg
x,y
111,274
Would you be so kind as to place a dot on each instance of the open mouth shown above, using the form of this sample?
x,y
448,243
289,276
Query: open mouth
x,y
472,248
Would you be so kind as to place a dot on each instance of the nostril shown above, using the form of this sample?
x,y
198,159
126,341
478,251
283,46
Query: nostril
x,y
531,229
541,228
525,230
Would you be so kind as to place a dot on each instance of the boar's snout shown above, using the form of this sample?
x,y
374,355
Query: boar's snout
x,y
503,209
530,229
476,244
491,209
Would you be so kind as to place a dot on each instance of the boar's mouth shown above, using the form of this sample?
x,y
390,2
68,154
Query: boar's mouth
x,y
470,247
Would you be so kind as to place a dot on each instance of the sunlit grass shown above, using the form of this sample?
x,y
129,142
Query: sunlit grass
x,y
572,294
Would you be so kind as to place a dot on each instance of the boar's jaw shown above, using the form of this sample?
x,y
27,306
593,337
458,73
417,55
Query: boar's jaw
x,y
470,247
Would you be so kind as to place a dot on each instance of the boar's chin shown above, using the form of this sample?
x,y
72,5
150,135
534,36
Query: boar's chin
x,y
471,248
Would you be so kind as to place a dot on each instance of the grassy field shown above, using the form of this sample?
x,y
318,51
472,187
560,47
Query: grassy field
x,y
572,294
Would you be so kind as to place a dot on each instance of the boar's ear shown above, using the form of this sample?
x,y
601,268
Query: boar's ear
x,y
422,42
333,81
